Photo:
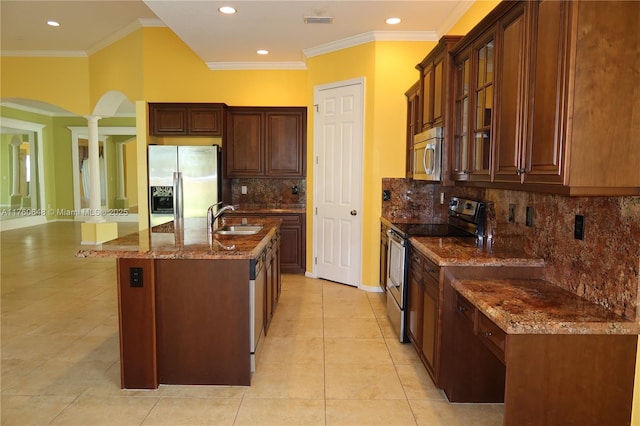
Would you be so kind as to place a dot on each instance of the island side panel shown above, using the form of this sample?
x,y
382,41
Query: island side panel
x,y
203,321
569,379
137,315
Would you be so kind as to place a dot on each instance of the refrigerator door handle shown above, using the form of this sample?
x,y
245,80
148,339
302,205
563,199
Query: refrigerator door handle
x,y
178,212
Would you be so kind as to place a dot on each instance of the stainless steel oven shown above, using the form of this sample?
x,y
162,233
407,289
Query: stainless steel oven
x,y
466,219
396,278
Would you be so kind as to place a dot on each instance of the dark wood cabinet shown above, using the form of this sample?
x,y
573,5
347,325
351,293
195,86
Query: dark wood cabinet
x,y
476,374
414,300
292,249
414,125
431,105
266,142
556,88
185,119
423,316
435,87
510,121
430,316
272,281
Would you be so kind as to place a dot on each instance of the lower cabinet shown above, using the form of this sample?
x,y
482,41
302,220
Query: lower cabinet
x,y
273,283
423,310
292,250
477,375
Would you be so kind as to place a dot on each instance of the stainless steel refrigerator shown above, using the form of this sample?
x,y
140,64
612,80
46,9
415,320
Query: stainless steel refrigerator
x,y
183,181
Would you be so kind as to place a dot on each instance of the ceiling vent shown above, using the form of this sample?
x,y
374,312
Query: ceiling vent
x,y
318,20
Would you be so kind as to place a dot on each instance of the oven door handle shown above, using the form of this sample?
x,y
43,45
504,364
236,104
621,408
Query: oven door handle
x,y
395,237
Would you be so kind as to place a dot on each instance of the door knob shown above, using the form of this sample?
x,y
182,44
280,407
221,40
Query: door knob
x,y
354,212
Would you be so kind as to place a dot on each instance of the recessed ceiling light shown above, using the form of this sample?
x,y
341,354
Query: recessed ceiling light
x,y
393,21
227,10
53,23
262,52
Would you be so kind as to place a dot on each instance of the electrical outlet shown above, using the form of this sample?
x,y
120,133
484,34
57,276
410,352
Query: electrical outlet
x,y
243,189
529,218
135,277
512,213
578,227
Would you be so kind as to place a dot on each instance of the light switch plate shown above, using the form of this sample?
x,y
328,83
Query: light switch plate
x,y
243,189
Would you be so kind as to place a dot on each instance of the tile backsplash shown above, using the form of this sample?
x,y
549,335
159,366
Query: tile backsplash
x,y
269,193
604,267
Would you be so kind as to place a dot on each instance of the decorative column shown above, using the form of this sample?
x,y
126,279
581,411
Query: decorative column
x,y
16,196
95,204
96,230
121,198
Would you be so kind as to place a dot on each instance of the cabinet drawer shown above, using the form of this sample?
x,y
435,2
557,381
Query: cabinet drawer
x,y
415,262
432,269
492,336
464,308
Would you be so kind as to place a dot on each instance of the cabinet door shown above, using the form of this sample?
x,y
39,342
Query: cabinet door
x,y
543,157
438,92
414,301
167,120
430,323
413,123
285,143
290,252
244,148
509,136
269,296
205,121
461,117
427,96
483,63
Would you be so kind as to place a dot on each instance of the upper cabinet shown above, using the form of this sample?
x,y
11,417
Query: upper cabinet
x,y
266,142
429,100
434,83
554,89
413,122
184,119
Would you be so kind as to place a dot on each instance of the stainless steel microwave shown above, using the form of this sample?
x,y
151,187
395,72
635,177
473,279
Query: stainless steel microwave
x,y
427,155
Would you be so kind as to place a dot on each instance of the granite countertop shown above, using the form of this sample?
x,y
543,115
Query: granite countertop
x,y
463,251
191,241
538,307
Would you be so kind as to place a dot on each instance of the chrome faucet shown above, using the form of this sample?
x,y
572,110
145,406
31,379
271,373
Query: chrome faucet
x,y
212,218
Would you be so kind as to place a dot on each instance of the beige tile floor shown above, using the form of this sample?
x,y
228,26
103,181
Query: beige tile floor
x,y
331,357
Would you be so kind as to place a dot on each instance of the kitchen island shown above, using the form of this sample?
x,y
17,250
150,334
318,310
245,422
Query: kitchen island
x,y
192,304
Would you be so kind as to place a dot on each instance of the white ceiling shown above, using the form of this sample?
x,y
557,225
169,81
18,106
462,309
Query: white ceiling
x,y
222,41
278,26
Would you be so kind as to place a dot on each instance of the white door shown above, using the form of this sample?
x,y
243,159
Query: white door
x,y
338,146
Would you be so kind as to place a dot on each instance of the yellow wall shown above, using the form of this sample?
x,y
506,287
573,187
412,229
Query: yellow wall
x,y
388,71
174,73
59,81
118,67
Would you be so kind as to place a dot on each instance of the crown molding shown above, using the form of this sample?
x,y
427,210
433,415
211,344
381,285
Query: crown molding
x,y
222,66
133,26
369,37
45,53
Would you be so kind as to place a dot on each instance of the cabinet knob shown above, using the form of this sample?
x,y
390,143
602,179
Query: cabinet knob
x,y
461,309
487,334
354,212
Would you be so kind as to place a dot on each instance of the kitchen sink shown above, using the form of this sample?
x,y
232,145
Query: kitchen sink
x,y
239,229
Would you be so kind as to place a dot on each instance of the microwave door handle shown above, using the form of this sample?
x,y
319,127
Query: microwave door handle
x,y
432,167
